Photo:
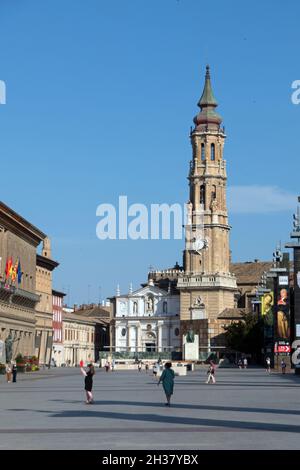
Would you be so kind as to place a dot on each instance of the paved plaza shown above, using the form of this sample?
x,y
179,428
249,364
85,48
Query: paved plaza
x,y
246,409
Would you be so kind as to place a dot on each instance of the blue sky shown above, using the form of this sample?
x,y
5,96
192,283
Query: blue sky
x,y
100,99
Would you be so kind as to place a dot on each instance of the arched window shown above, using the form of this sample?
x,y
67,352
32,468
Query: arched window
x,y
202,152
135,307
213,192
212,152
202,194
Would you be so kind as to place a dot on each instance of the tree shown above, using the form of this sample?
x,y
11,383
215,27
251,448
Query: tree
x,y
245,335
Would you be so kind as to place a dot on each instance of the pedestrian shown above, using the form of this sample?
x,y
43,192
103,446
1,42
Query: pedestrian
x,y
113,363
211,373
268,363
240,364
147,367
140,366
245,363
154,370
107,366
88,382
167,379
283,366
14,372
8,373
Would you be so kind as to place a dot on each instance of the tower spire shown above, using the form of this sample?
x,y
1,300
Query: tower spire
x,y
207,105
207,98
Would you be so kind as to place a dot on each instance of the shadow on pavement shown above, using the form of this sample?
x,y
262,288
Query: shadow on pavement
x,y
173,420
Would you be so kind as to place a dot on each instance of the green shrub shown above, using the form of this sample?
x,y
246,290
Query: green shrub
x,y
19,359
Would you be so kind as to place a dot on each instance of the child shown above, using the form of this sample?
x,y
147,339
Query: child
x,y
88,382
167,379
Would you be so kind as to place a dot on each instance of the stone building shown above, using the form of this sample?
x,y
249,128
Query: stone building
x,y
19,240
44,308
57,357
146,320
248,276
78,338
101,315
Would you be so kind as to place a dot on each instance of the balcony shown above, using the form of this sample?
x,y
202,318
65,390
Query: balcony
x,y
14,295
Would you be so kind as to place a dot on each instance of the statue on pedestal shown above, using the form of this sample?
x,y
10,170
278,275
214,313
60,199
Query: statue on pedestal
x,y
190,336
8,348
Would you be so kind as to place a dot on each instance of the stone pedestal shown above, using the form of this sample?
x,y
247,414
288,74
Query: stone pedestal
x,y
191,350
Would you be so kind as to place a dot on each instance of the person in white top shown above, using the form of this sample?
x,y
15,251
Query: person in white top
x,y
8,373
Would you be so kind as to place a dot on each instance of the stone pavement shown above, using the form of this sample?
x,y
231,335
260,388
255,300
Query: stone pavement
x,y
246,409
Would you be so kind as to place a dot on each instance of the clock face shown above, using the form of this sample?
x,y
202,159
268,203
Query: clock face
x,y
199,244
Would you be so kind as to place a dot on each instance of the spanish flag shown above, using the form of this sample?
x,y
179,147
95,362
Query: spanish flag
x,y
11,269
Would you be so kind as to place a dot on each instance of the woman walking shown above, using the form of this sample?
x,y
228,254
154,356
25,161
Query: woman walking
x,y
88,382
211,374
167,379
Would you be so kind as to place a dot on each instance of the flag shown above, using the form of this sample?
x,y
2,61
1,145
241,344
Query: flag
x,y
11,269
14,271
8,267
19,273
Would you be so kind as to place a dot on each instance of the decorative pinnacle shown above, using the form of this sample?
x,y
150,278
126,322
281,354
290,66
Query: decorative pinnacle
x,y
207,98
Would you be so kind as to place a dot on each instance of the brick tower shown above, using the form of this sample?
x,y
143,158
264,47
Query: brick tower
x,y
206,287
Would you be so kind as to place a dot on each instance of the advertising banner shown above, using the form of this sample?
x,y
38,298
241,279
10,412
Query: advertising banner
x,y
267,302
282,312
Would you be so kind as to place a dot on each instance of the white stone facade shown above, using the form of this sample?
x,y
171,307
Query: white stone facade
x,y
147,320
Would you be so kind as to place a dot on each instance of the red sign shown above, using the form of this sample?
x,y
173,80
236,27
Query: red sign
x,y
282,349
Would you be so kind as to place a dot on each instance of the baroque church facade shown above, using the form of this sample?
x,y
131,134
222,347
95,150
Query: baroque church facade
x,y
146,320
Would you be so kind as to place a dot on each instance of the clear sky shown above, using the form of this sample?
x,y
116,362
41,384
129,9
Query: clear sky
x,y
100,98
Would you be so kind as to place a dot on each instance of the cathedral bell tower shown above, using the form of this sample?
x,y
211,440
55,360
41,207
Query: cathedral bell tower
x,y
207,281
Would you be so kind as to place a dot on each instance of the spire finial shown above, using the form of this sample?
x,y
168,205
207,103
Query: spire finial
x,y
207,98
207,104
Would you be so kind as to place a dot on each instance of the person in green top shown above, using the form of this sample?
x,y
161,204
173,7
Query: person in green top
x,y
167,379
